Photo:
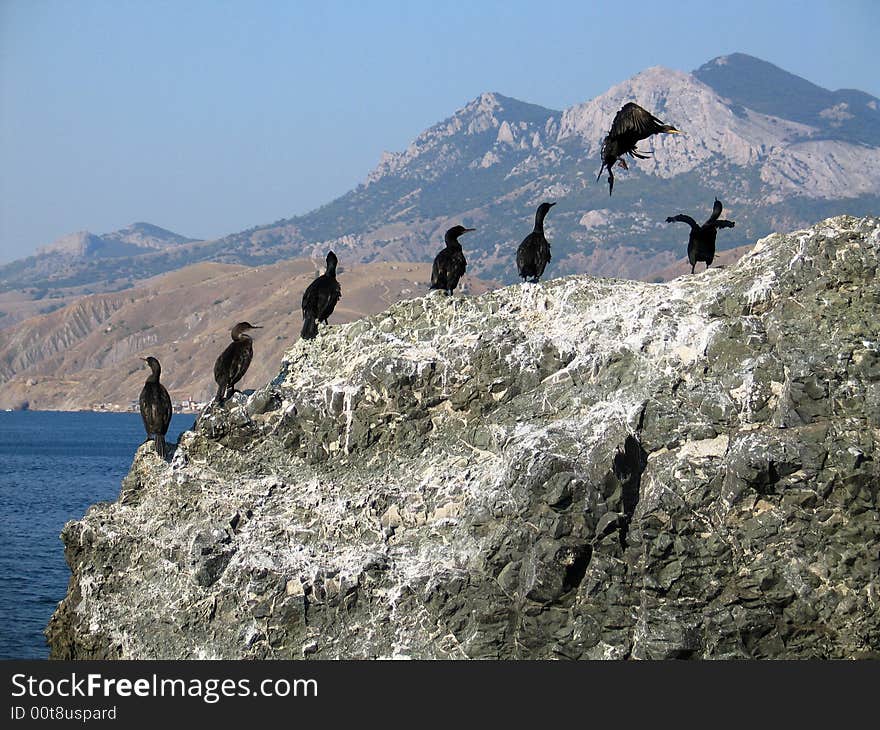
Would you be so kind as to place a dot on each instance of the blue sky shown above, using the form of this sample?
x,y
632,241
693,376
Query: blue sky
x,y
210,117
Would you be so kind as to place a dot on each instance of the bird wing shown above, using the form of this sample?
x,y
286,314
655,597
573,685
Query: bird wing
x,y
155,406
241,362
145,409
233,363
523,255
164,409
220,365
310,296
682,218
632,120
439,271
716,211
725,224
455,268
326,297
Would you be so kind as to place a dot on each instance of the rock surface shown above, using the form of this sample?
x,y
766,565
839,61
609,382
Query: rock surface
x,y
585,468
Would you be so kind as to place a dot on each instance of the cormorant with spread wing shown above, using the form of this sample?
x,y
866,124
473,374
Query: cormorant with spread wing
x,y
450,264
701,242
234,361
155,406
319,299
533,253
631,125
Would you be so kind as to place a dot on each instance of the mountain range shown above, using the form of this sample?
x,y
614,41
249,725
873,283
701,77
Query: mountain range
x,y
778,150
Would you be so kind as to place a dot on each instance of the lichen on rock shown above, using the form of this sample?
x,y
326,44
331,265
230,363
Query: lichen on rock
x,y
584,468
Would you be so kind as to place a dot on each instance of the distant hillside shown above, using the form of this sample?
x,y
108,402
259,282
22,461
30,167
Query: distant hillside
x,y
137,239
83,263
86,354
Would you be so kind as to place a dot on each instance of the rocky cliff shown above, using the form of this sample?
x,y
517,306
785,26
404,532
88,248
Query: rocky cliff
x,y
585,468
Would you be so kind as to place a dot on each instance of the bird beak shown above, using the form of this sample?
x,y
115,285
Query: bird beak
x,y
466,230
256,327
142,358
551,204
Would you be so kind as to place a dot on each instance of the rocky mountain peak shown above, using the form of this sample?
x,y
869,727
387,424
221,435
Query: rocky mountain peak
x,y
80,243
147,235
750,82
467,137
127,241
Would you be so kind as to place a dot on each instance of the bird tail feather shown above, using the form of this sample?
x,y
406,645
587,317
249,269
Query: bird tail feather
x,y
309,328
159,439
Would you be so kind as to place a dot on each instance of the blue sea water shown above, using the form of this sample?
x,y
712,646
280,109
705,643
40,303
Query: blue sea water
x,y
53,465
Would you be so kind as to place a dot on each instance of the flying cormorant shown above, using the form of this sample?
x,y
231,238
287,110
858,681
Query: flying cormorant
x,y
533,253
155,406
320,298
701,242
450,264
233,362
631,124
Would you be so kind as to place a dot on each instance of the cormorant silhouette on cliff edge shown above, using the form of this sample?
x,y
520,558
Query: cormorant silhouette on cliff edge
x,y
155,406
234,361
533,253
701,242
450,264
320,298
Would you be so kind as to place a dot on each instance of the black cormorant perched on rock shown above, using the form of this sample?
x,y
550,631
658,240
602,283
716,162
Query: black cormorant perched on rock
x,y
701,242
533,253
155,406
319,299
631,125
234,361
450,264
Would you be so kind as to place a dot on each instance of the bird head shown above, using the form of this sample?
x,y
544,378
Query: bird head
x,y
453,233
332,261
153,364
239,330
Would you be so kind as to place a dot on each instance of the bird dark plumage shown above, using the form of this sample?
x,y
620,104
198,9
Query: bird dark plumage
x,y
533,253
155,406
450,264
319,299
631,125
701,242
234,361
